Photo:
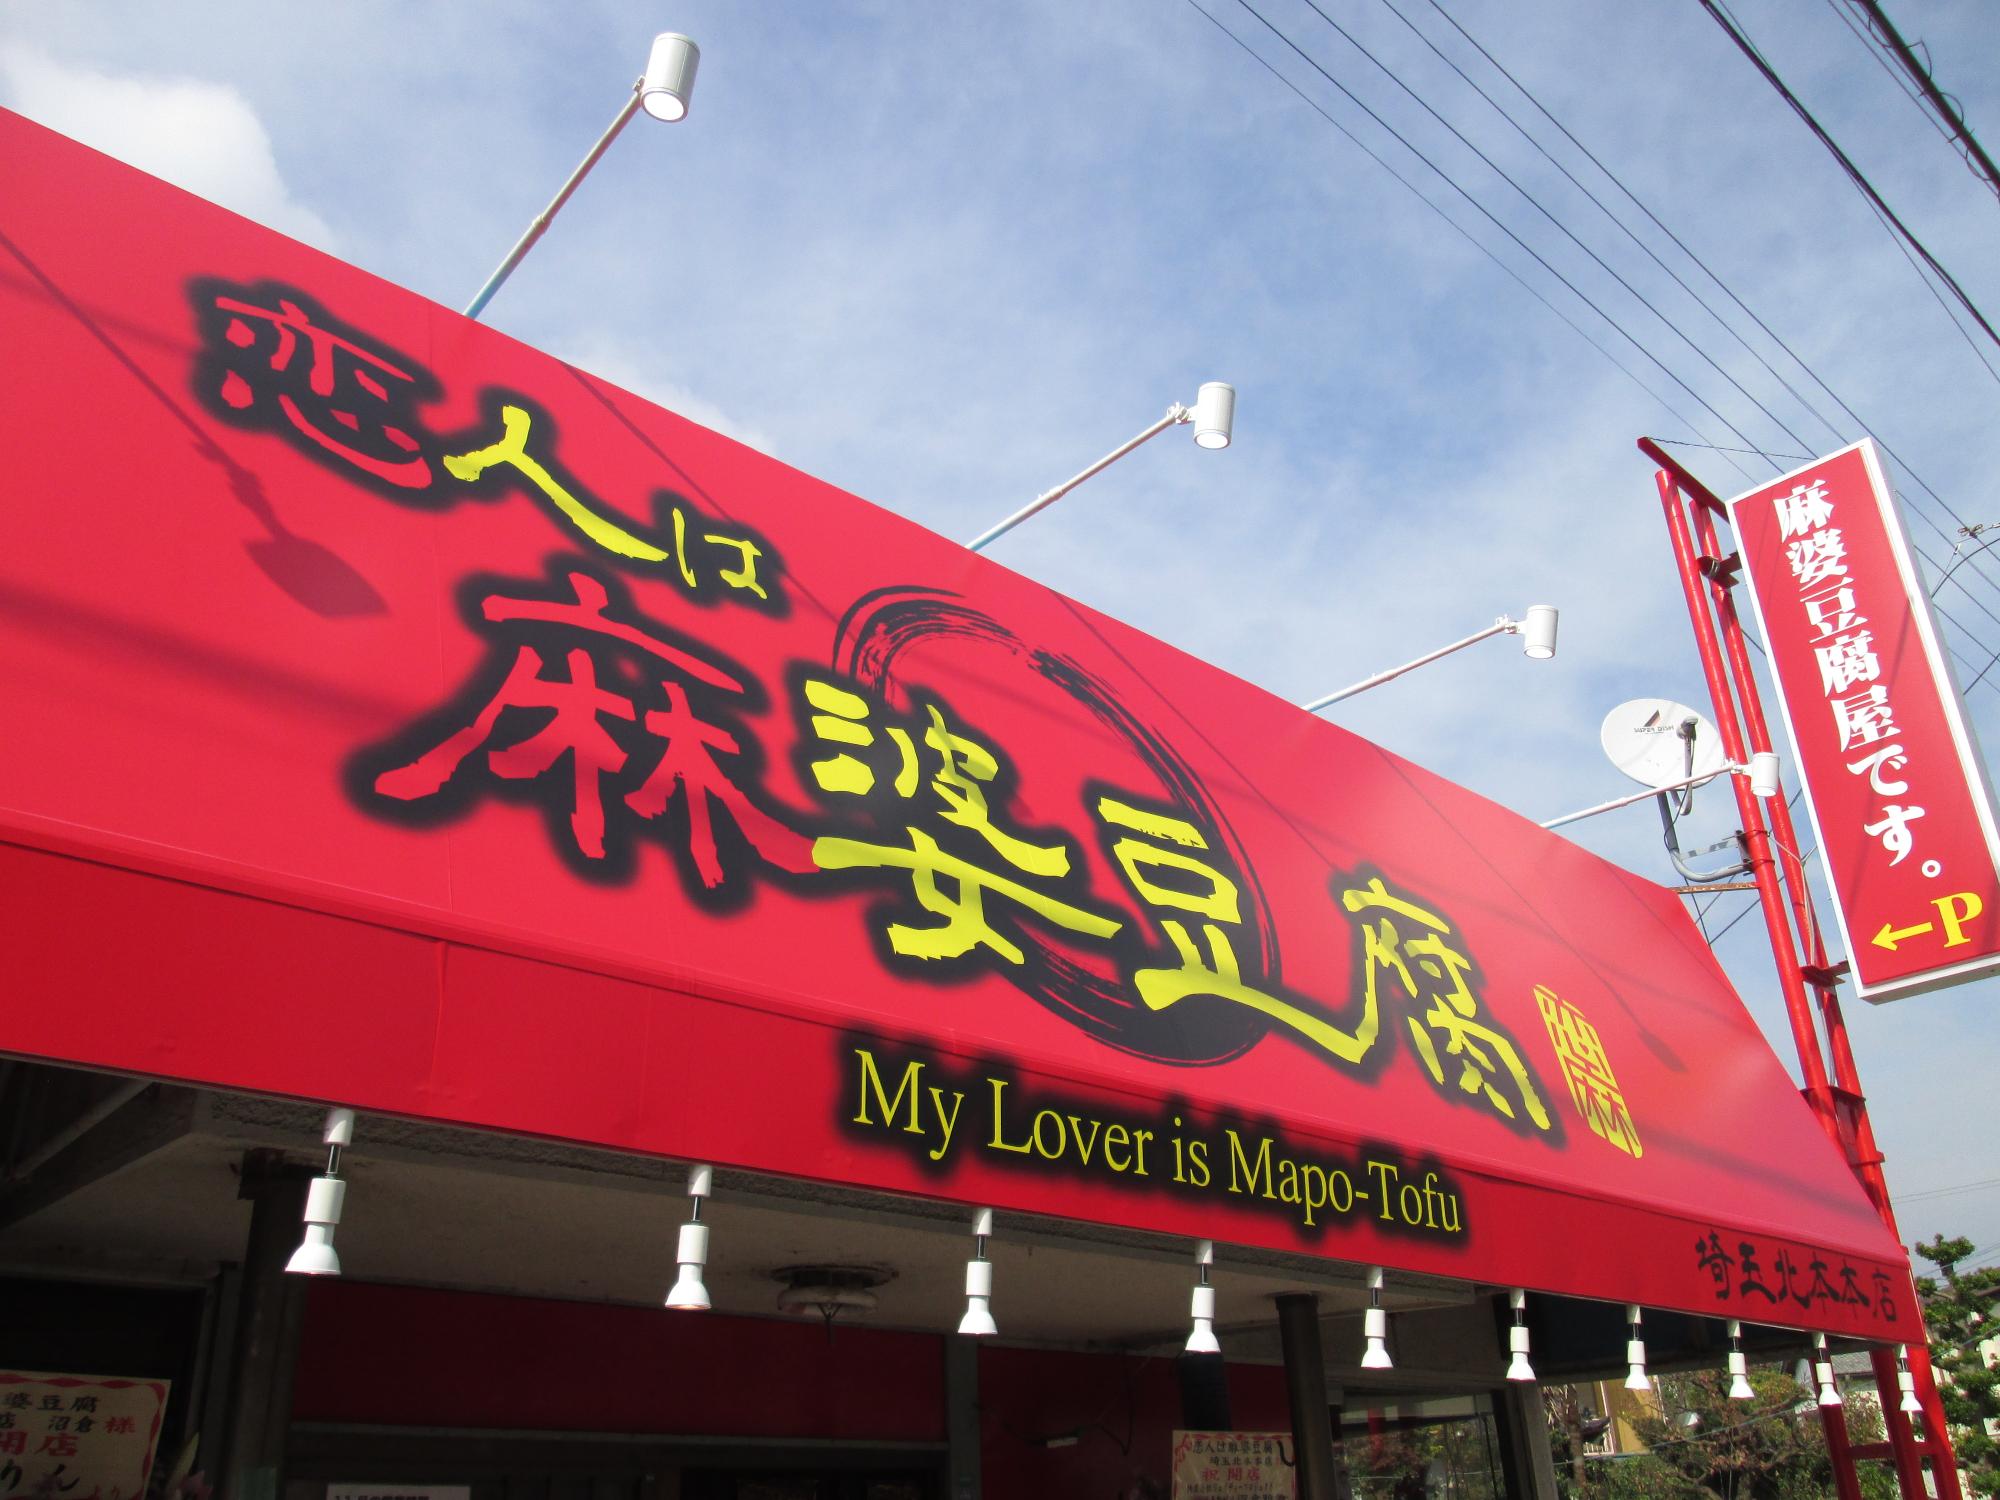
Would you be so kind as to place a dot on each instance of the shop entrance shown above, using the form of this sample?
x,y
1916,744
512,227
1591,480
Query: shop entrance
x,y
1421,1448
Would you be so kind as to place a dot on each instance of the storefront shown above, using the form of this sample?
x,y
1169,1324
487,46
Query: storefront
x,y
406,722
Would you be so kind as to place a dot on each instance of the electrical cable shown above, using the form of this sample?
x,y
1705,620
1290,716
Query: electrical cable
x,y
1728,291
1451,182
1855,175
1491,218
1936,296
1978,353
1567,232
1620,224
1545,213
1947,1192
1958,132
1842,9
1467,234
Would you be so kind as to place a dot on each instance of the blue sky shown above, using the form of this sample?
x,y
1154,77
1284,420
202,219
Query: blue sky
x,y
945,255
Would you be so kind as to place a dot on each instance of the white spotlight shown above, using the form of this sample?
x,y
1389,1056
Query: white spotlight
x,y
1635,1351
669,81
1739,1367
689,1293
1518,1367
324,1200
1375,1327
1829,1393
1214,414
1906,1382
1538,632
1201,1339
1764,774
978,1319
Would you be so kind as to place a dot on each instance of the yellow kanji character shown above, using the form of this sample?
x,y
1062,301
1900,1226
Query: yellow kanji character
x,y
967,765
1219,975
1218,899
839,722
1207,892
1424,967
1593,1088
515,426
962,906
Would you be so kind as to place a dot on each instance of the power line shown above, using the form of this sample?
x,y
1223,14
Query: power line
x,y
1467,234
1727,290
1936,296
1855,29
1522,244
1854,173
1476,204
1727,327
1960,134
1488,214
1651,254
1563,228
1540,208
1947,1192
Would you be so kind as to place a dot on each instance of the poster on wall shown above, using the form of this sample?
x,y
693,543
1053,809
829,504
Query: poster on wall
x,y
78,1437
1893,778
1234,1466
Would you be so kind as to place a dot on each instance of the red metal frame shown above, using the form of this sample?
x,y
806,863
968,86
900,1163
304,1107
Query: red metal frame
x,y
1799,950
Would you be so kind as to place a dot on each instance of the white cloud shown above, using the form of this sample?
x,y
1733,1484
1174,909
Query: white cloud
x,y
201,136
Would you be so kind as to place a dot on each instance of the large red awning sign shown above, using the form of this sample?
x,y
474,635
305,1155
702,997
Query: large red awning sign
x,y
1895,784
400,717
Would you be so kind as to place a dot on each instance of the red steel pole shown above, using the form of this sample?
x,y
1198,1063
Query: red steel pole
x,y
1811,1062
1781,884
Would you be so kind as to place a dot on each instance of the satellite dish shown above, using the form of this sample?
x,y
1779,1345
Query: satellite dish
x,y
1658,742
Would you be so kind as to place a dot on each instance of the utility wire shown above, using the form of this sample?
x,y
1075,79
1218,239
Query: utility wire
x,y
1480,245
1570,235
1959,133
1494,166
1488,214
1947,1192
1526,135
1727,290
1844,10
1924,276
1529,137
1467,234
1491,218
1854,173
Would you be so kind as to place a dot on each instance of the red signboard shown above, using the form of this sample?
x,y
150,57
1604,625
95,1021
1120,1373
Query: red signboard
x,y
1895,784
400,717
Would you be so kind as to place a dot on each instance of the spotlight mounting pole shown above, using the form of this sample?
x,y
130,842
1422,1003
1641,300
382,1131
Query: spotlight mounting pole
x,y
1762,771
1213,415
1537,629
663,89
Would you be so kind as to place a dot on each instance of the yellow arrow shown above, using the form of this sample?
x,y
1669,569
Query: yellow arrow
x,y
1889,936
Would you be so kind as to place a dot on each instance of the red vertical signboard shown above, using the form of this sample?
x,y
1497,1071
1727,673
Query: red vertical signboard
x,y
1892,776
